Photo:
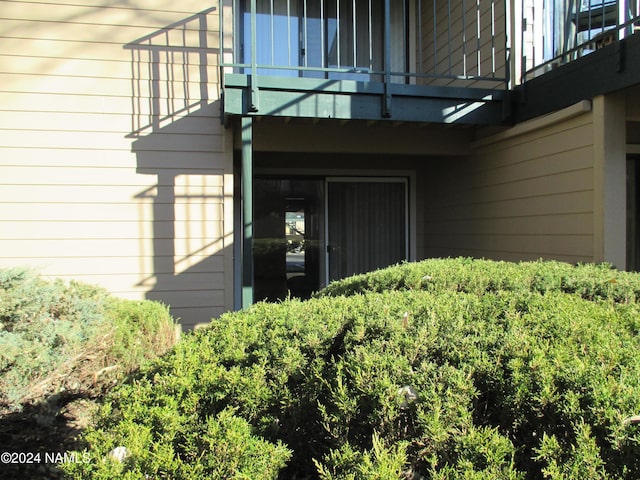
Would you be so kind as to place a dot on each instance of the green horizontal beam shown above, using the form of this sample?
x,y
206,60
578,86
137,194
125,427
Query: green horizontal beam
x,y
609,69
234,80
349,100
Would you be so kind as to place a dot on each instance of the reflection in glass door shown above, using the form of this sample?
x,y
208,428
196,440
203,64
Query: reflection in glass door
x,y
366,225
287,233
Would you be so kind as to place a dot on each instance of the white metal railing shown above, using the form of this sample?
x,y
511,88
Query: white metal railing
x,y
555,32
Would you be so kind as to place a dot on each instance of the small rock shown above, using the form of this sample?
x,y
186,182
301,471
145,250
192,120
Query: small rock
x,y
118,454
408,395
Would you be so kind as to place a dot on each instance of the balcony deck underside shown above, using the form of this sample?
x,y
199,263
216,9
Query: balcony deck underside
x,y
351,100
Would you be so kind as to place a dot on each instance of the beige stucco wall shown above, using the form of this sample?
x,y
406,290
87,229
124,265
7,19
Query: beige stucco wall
x,y
526,193
114,167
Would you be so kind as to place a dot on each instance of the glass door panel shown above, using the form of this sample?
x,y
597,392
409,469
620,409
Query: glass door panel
x,y
287,237
366,225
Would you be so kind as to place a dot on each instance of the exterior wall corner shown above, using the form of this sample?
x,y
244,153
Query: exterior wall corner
x,y
609,163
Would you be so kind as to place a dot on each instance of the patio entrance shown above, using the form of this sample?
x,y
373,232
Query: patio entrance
x,y
309,231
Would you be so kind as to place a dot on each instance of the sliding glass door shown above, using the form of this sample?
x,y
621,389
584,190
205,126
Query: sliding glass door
x,y
309,231
366,225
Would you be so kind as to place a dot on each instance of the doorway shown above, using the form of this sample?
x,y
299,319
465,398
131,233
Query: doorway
x,y
310,231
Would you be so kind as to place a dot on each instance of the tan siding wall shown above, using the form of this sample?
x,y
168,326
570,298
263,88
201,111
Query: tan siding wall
x,y
469,44
526,196
114,166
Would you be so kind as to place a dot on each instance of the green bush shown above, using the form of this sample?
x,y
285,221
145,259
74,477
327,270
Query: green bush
x,y
137,331
590,281
60,337
484,370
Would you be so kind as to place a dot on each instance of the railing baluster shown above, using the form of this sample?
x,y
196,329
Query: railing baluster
x,y
253,89
464,40
305,53
323,46
355,37
589,17
478,33
435,38
577,9
221,39
493,38
405,36
387,41
338,31
509,47
523,54
621,17
289,33
370,37
449,33
387,58
419,42
273,53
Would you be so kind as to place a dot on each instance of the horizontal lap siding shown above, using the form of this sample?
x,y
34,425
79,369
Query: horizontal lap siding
x,y
525,197
113,163
458,44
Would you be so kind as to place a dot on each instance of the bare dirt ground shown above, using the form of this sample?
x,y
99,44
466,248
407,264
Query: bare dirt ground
x,y
33,442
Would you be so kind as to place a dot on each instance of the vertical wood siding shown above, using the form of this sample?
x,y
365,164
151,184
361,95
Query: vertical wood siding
x,y
114,167
525,197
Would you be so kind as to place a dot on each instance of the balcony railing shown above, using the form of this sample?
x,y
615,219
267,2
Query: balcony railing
x,y
330,57
556,32
458,43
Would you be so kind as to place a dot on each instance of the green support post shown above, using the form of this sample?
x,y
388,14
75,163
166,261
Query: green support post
x,y
247,211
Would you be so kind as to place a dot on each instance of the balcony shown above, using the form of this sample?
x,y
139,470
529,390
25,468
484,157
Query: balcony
x,y
556,32
440,61
571,50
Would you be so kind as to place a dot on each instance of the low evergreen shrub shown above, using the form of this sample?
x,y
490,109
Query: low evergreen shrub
x,y
590,281
483,370
70,338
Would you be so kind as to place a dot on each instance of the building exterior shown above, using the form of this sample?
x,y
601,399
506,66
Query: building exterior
x,y
210,155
